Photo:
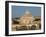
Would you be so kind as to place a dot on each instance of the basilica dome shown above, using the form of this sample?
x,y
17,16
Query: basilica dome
x,y
27,18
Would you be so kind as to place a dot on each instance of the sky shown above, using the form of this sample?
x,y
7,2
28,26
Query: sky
x,y
18,11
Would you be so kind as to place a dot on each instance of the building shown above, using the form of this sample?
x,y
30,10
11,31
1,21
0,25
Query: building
x,y
26,19
27,22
